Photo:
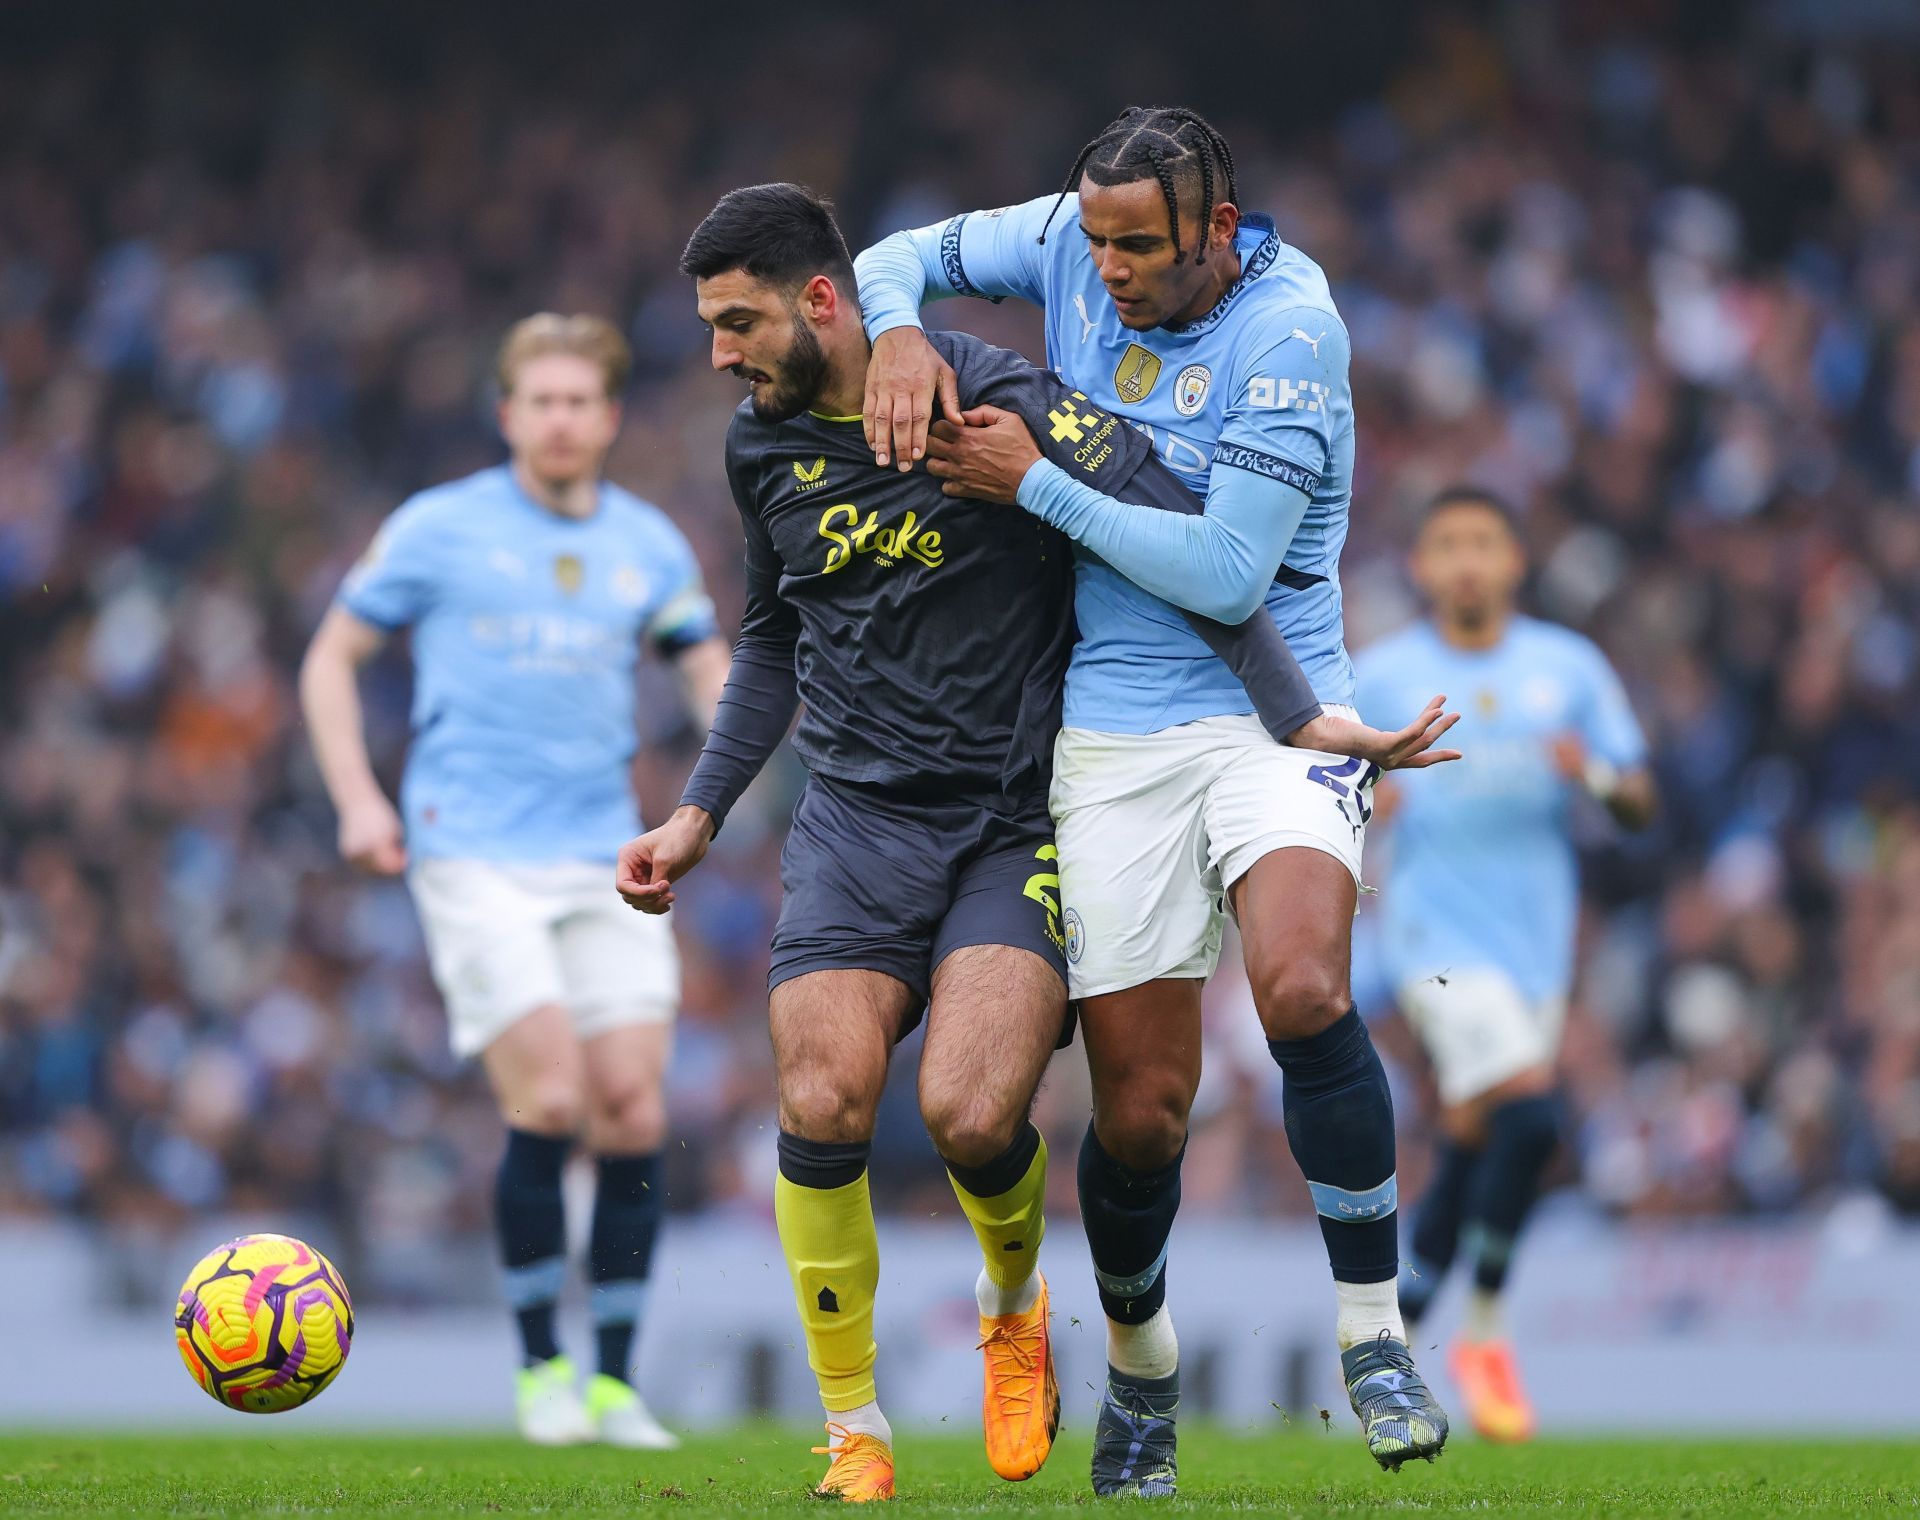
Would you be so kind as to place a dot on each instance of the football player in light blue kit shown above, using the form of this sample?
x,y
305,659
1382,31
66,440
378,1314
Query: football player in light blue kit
x,y
1480,904
529,589
1202,327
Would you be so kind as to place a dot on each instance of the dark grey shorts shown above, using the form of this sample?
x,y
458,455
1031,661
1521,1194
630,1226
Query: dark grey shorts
x,y
874,882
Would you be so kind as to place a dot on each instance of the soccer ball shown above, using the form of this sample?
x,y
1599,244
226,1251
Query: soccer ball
x,y
263,1323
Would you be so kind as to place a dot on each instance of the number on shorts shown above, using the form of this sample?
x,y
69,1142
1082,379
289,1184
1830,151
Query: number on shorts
x,y
1044,888
1329,775
1333,778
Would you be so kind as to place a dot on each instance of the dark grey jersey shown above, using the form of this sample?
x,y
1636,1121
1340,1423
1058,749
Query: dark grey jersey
x,y
927,636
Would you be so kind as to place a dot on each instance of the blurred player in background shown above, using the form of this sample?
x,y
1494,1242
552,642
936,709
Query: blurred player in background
x,y
1202,327
529,589
1482,899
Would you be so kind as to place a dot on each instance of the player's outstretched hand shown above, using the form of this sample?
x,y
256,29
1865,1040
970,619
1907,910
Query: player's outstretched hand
x,y
372,838
648,867
986,459
1411,749
906,380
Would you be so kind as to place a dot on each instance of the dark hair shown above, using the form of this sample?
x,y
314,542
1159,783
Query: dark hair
x,y
783,234
1159,142
1463,495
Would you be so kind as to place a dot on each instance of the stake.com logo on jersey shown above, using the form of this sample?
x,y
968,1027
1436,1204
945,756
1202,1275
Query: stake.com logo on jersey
x,y
888,546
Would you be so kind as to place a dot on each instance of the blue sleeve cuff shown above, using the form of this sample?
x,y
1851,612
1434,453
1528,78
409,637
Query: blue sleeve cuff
x,y
886,321
368,616
1048,492
894,276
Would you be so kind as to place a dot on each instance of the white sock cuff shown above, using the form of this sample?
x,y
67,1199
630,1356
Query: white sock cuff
x,y
863,1419
1484,1320
995,1300
1366,1309
1149,1349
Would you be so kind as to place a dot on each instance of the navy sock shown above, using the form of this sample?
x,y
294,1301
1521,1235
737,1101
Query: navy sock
x,y
1128,1216
1339,1115
821,1163
1521,1138
1004,1171
1436,1228
626,1218
530,1219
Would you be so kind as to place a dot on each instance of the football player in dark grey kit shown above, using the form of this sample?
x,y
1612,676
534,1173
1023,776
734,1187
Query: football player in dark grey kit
x,y
928,638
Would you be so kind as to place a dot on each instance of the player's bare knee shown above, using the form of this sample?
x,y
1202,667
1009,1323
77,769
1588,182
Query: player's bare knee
x,y
1298,1000
1465,1123
631,1120
816,1107
545,1111
1145,1128
968,1131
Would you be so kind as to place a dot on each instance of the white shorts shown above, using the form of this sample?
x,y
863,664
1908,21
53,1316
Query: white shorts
x,y
1479,1029
505,939
1153,829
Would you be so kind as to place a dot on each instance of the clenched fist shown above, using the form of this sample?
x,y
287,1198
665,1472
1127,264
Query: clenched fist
x,y
648,866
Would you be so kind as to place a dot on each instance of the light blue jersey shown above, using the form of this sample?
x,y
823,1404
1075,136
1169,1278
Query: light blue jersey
x,y
1259,384
526,629
1484,871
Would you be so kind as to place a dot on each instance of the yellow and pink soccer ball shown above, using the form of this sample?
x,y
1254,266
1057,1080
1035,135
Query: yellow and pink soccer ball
x,y
264,1323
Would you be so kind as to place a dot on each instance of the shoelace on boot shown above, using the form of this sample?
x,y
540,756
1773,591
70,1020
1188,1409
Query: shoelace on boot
x,y
851,1452
1012,1384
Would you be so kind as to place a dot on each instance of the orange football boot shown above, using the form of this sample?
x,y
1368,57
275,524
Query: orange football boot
x,y
1020,1404
1490,1380
861,1469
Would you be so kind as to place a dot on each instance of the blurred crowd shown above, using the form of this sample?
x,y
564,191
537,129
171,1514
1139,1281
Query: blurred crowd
x,y
1661,293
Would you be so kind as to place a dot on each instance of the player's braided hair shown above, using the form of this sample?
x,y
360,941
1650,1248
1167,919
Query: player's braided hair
x,y
1161,142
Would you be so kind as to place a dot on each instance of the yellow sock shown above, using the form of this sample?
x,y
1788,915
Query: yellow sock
x,y
1010,1224
834,1258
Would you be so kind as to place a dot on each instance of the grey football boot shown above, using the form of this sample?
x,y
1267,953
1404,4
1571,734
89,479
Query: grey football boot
x,y
1133,1451
1398,1412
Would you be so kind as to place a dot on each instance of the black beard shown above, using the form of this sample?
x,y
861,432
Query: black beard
x,y
1472,618
803,375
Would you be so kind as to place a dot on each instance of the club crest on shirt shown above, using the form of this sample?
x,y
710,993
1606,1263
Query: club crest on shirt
x,y
813,476
1486,703
568,573
1134,376
1190,389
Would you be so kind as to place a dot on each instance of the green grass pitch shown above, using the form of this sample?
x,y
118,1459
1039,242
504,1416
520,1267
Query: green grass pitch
x,y
760,1470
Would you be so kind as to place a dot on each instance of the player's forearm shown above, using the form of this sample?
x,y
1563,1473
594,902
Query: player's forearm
x,y
1257,652
1218,564
692,816
896,276
330,702
703,671
754,712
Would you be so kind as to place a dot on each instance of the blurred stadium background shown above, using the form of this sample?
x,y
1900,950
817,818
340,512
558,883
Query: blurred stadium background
x,y
1652,269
